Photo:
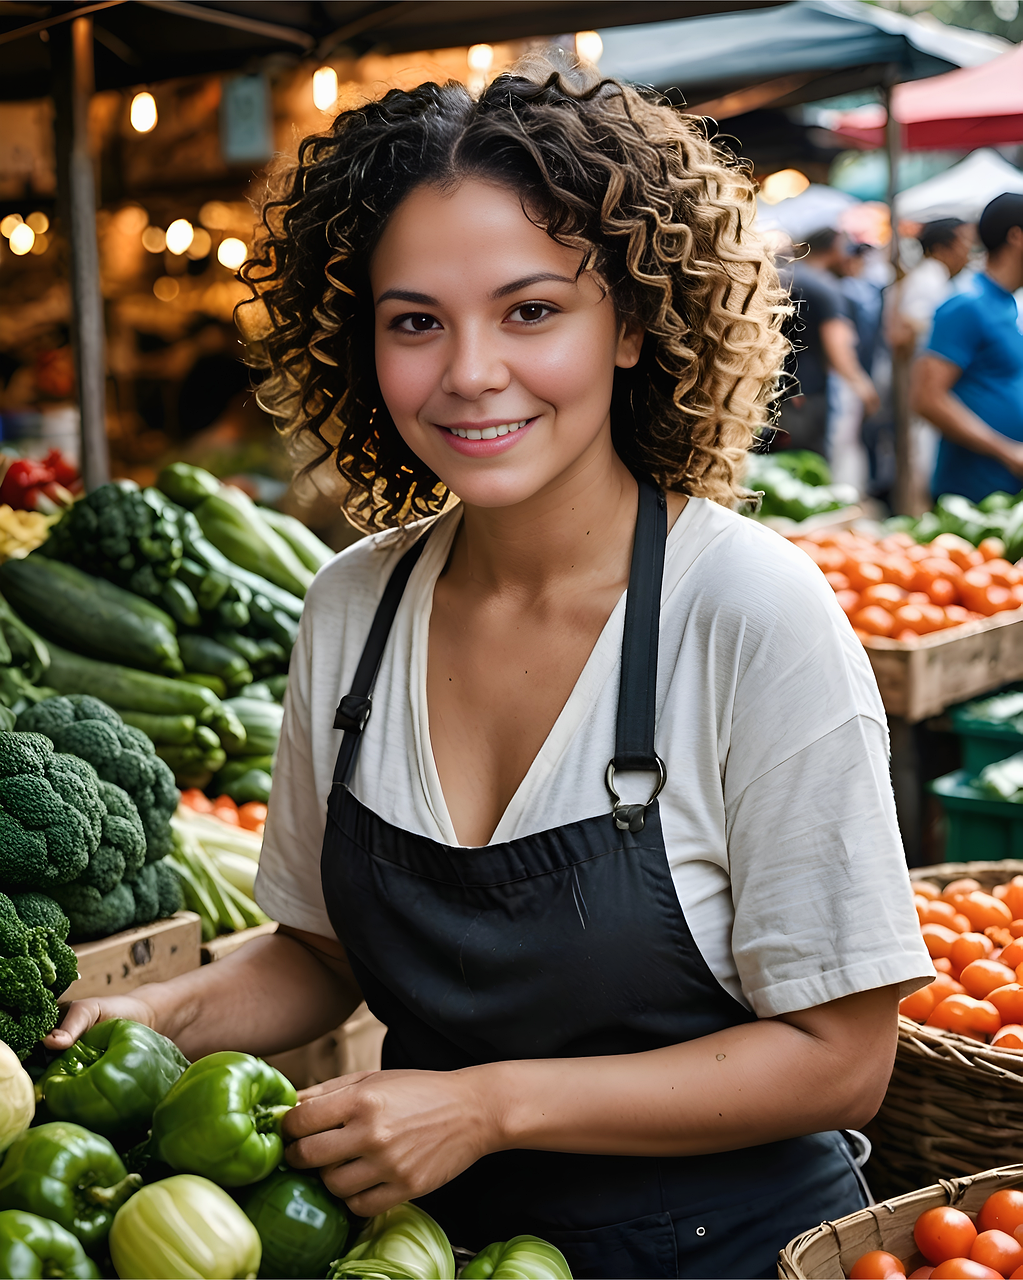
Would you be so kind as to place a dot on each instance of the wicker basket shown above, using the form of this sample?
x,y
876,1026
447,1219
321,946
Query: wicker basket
x,y
953,1106
828,1252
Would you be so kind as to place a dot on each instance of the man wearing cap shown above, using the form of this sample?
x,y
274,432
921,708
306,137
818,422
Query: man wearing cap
x,y
969,381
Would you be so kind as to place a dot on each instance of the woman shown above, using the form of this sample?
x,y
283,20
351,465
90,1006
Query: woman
x,y
648,832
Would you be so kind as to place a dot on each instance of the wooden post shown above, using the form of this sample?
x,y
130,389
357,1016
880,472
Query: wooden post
x,y
903,496
72,61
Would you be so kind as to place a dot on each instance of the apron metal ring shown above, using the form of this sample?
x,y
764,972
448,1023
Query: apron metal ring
x,y
632,817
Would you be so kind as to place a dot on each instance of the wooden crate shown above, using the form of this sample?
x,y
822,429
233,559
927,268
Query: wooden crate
x,y
226,943
151,953
920,680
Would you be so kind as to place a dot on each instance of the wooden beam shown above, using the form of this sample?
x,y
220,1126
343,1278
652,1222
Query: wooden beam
x,y
72,61
751,98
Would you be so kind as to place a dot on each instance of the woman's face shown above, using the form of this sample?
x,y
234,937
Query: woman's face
x,y
495,359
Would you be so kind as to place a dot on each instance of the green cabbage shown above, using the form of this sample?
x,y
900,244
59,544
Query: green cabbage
x,y
522,1258
404,1243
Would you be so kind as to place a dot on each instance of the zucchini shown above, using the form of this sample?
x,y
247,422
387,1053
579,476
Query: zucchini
x,y
253,784
278,686
89,614
214,683
27,649
313,553
181,602
260,691
187,485
229,730
232,522
262,721
192,759
125,688
232,613
163,730
139,605
207,657
235,769
274,622
199,548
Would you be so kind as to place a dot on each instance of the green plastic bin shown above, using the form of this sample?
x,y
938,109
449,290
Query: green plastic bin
x,y
978,829
984,741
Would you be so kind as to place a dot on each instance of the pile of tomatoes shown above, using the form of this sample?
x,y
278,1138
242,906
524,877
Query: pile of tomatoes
x,y
975,940
956,1247
897,588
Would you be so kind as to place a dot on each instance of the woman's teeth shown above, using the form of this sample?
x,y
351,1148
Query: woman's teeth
x,y
487,433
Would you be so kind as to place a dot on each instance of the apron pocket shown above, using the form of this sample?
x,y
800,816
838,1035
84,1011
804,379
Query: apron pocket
x,y
641,1249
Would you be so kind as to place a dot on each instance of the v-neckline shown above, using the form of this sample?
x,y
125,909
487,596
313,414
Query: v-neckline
x,y
599,664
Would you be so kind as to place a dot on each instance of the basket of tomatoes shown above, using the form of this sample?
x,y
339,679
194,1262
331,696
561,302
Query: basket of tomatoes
x,y
962,1229
955,1099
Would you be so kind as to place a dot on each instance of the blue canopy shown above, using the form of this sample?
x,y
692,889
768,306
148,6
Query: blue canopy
x,y
796,52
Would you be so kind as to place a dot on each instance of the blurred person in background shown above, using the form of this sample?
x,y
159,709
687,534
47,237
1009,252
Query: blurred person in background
x,y
826,337
969,381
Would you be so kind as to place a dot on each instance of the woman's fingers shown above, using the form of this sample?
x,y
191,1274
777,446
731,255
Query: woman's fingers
x,y
80,1015
331,1086
361,1185
332,1146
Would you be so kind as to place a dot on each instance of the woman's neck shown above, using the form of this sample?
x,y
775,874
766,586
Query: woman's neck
x,y
579,524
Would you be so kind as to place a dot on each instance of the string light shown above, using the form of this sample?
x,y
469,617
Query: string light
x,y
324,88
22,239
588,46
143,113
180,234
232,253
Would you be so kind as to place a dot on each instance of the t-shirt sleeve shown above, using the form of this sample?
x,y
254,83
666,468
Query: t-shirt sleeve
x,y
957,332
822,302
823,904
288,882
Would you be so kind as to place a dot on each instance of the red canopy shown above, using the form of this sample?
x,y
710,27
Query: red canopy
x,y
972,107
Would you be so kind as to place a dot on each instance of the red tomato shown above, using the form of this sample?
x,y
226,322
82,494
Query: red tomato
x,y
964,1269
944,1233
877,1265
982,976
1002,1211
1008,1036
998,1250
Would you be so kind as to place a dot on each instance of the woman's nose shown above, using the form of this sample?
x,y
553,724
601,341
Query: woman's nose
x,y
474,367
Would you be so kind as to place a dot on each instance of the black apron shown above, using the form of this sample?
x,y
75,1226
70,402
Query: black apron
x,y
567,943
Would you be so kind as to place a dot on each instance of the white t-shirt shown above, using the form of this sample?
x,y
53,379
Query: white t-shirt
x,y
778,816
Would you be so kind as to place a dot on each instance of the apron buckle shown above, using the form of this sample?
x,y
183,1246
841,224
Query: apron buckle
x,y
353,712
632,817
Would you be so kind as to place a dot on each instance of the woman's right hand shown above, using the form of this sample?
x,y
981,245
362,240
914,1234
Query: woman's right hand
x,y
80,1015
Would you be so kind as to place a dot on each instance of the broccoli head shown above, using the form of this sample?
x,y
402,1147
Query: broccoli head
x,y
28,968
168,884
157,892
120,754
48,928
50,813
122,847
94,914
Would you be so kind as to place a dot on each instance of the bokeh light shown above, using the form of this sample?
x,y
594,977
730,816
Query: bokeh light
x,y
783,185
180,234
166,288
232,253
588,46
154,239
143,113
9,223
22,239
202,243
324,88
480,57
39,222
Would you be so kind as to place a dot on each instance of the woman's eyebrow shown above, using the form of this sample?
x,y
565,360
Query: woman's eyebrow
x,y
425,300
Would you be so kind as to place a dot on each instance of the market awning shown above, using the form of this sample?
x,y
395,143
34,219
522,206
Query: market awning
x,y
972,107
725,64
962,191
141,41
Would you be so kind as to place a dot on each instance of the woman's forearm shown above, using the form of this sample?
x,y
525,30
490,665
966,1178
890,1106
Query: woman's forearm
x,y
741,1087
271,995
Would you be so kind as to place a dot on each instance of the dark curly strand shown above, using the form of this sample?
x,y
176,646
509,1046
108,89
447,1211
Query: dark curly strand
x,y
663,218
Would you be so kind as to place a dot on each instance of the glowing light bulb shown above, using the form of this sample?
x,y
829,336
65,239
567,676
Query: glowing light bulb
x,y
180,234
324,88
232,253
783,185
480,57
589,46
39,223
143,113
22,239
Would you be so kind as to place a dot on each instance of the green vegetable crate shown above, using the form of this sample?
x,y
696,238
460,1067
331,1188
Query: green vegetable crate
x,y
978,828
985,739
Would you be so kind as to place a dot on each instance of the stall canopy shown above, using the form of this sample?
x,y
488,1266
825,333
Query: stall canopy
x,y
138,41
962,191
972,107
728,63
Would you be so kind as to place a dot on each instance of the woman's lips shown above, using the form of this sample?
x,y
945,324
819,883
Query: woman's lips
x,y
485,439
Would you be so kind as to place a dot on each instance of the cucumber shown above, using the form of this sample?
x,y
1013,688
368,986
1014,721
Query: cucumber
x,y
313,553
214,683
262,721
89,614
187,485
199,548
253,784
229,730
207,657
127,689
235,526
181,602
232,613
237,768
163,730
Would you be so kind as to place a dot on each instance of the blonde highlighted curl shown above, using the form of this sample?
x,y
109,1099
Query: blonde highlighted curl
x,y
663,217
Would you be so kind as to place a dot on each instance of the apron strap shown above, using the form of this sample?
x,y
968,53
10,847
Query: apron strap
x,y
354,708
637,693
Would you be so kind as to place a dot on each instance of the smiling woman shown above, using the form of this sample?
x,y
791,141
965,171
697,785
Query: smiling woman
x,y
582,782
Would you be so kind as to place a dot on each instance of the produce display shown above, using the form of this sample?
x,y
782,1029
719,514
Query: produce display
x,y
204,1193
216,863
999,515
796,484
21,531
958,1246
975,940
897,588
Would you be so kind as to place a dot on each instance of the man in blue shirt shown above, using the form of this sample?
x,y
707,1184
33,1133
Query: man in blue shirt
x,y
969,381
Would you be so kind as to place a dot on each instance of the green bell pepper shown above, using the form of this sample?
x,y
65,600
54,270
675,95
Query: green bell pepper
x,y
222,1119
32,1247
63,1172
112,1079
521,1258
302,1226
402,1243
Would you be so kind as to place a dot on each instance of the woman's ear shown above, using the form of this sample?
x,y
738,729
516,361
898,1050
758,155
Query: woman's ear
x,y
630,343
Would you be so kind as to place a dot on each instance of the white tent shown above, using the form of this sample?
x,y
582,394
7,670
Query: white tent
x,y
812,210
962,191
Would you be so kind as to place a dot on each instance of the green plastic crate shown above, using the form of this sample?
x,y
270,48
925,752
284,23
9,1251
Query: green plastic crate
x,y
978,829
984,741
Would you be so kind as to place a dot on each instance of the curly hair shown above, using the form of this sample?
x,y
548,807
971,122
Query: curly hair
x,y
662,215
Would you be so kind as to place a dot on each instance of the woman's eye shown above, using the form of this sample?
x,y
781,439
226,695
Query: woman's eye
x,y
531,312
416,323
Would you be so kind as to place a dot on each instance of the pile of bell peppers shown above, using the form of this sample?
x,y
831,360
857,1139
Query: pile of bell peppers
x,y
139,1164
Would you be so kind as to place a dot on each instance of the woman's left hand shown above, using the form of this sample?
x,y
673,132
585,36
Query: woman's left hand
x,y
381,1137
